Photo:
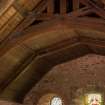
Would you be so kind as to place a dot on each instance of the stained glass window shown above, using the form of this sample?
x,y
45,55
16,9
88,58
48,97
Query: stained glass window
x,y
56,101
94,99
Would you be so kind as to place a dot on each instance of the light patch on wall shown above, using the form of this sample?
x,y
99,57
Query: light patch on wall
x,y
93,99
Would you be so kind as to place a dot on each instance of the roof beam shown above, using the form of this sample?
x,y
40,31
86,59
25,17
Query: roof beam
x,y
75,4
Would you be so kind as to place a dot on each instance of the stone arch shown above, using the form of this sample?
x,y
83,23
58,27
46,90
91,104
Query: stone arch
x,y
68,43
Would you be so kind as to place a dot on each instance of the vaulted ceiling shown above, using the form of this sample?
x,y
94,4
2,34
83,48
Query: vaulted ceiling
x,y
36,35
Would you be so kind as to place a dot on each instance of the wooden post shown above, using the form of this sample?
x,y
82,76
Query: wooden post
x,y
75,4
50,8
63,8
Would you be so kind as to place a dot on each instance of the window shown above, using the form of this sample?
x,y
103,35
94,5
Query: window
x,y
56,101
94,99
50,99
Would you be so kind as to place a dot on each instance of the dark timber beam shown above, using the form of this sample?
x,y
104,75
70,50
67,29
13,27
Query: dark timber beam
x,y
63,6
50,7
97,9
75,4
81,12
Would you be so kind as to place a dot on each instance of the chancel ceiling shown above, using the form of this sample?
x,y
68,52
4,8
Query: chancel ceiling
x,y
36,33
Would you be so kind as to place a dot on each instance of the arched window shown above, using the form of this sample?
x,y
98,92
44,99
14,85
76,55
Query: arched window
x,y
50,99
94,99
56,101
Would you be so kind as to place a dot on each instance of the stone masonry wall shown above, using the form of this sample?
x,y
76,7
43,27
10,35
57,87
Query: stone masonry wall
x,y
70,79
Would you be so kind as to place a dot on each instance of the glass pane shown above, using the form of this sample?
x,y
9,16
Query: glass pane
x,y
56,101
93,99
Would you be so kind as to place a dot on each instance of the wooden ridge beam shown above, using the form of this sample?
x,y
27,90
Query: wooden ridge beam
x,y
81,12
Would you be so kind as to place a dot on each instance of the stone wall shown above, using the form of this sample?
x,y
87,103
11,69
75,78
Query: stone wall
x,y
71,79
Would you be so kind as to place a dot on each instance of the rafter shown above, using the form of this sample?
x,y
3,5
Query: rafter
x,y
81,12
97,8
29,19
